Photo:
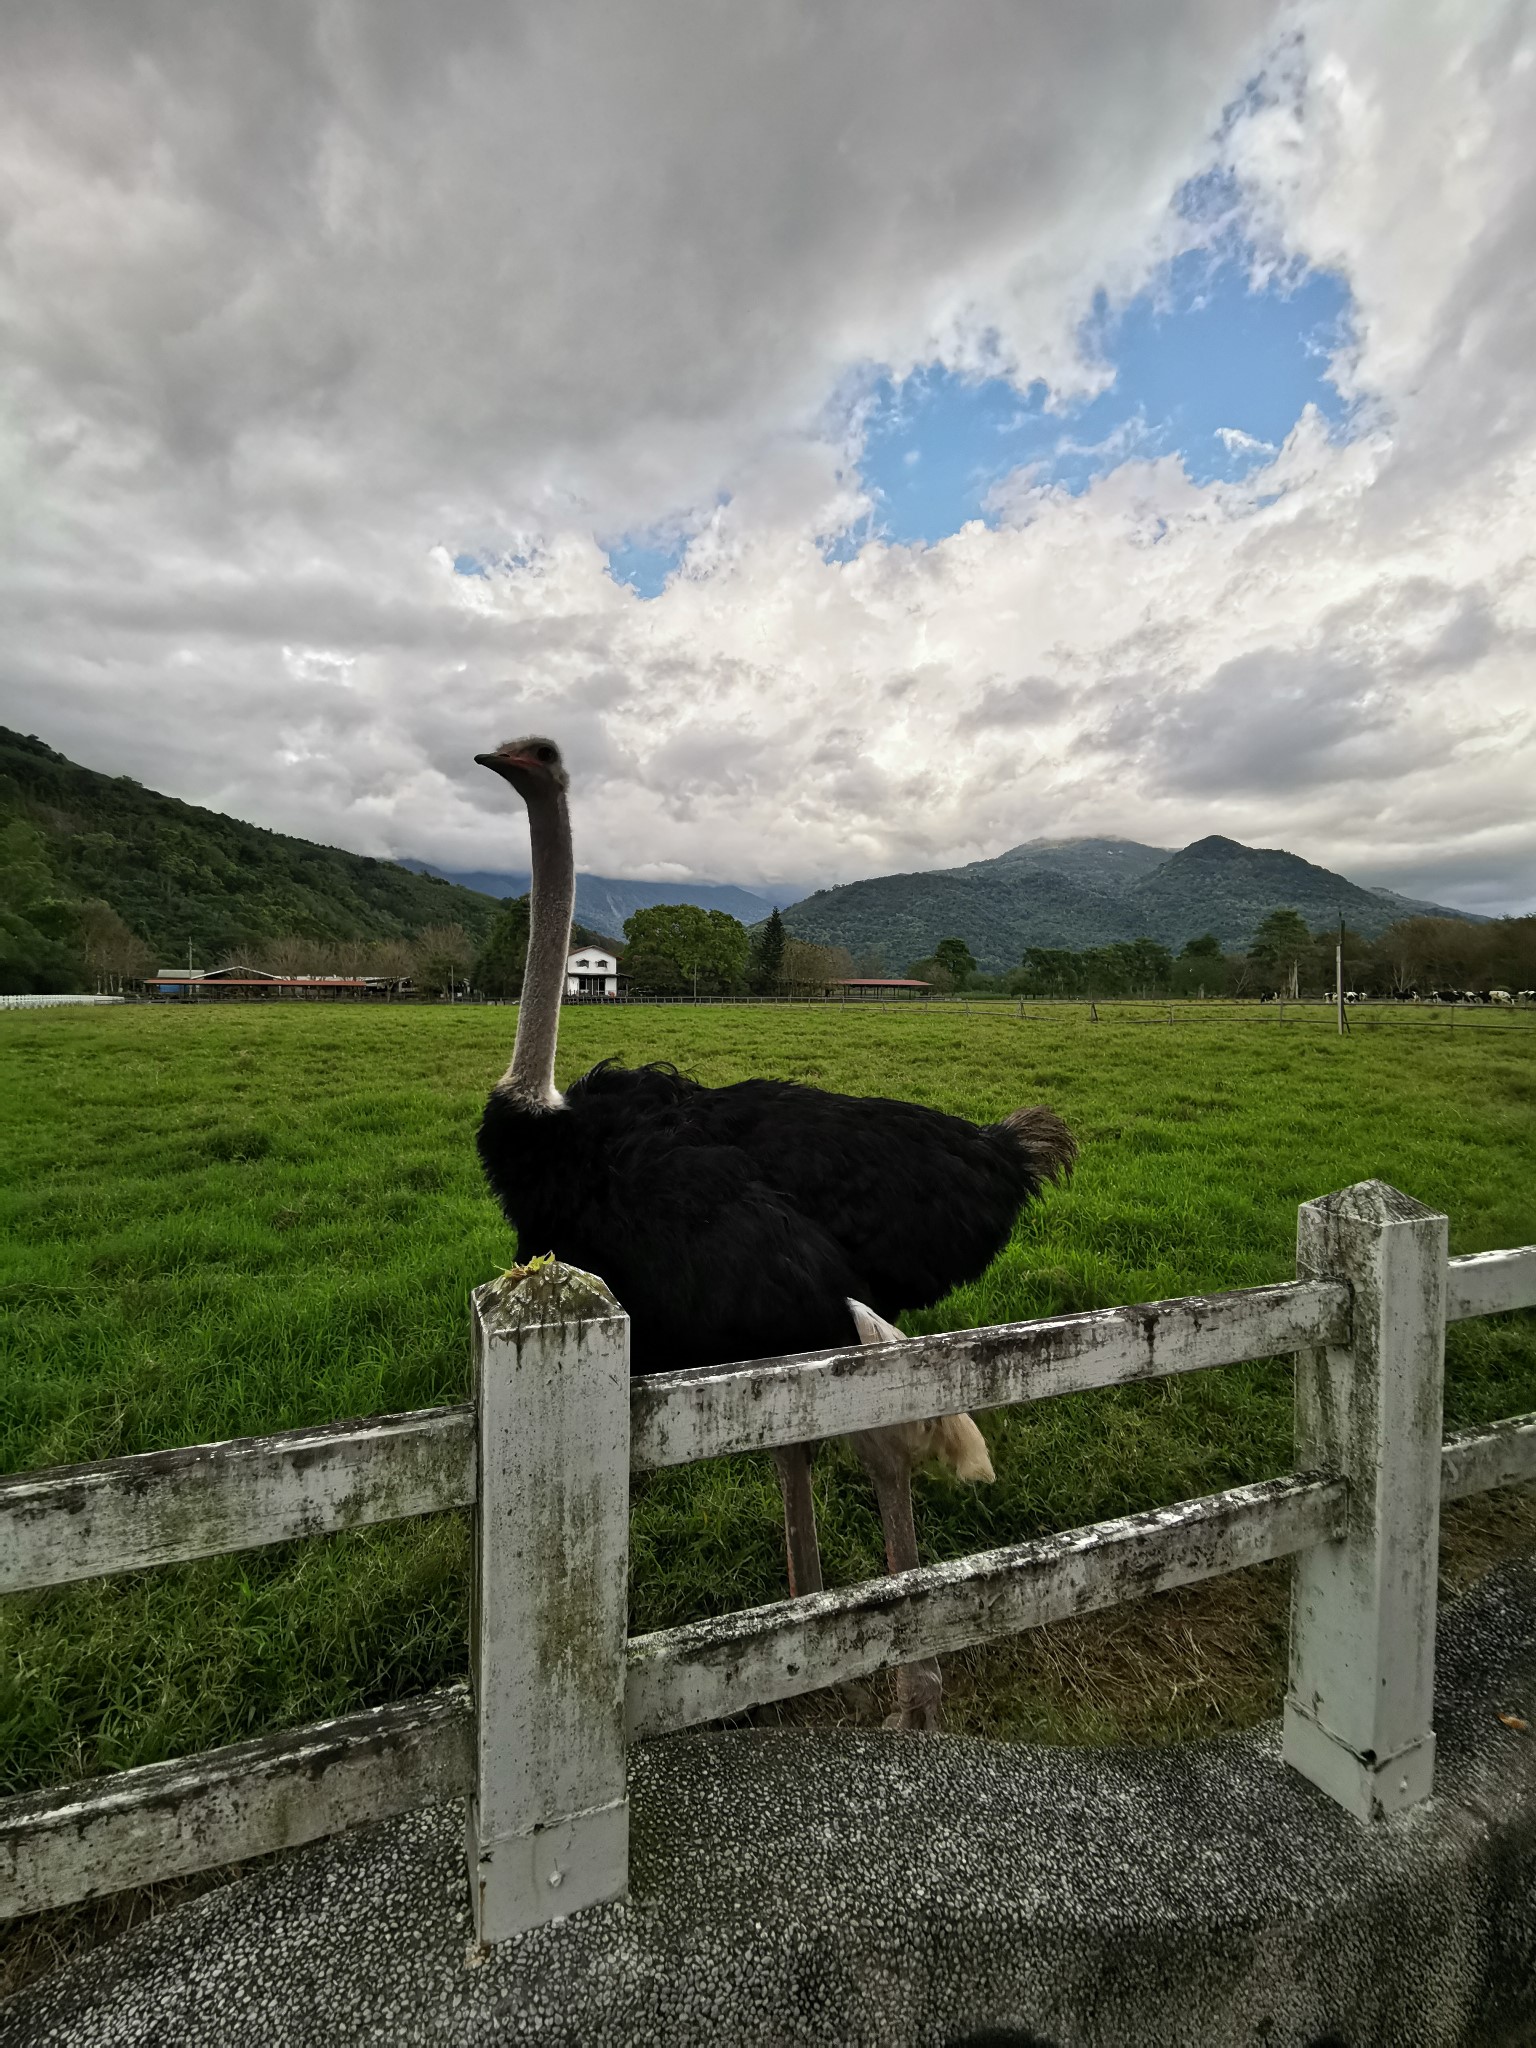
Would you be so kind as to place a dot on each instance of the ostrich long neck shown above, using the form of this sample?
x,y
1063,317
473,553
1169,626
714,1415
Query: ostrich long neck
x,y
552,892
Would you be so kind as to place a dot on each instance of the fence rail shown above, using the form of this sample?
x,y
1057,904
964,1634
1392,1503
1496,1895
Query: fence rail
x,y
542,1456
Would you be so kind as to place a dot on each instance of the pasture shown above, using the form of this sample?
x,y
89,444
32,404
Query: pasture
x,y
231,1221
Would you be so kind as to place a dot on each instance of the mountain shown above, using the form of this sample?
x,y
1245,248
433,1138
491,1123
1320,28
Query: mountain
x,y
903,917
604,902
1240,885
177,874
1107,864
1090,892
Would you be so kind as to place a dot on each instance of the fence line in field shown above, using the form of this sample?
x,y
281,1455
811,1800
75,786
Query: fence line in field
x,y
543,1455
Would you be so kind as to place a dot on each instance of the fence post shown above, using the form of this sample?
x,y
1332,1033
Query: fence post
x,y
1359,1709
549,1816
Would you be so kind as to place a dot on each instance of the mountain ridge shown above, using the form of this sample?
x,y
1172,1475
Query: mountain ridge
x,y
605,901
176,874
1088,892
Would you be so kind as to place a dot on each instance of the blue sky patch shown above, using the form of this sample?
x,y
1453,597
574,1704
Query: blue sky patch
x,y
645,560
1214,362
1207,365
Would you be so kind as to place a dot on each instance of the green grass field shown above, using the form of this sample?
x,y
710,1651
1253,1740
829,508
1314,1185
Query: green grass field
x,y
231,1221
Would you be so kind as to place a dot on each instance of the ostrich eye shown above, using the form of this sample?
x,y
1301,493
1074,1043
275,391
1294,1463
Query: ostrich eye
x,y
545,753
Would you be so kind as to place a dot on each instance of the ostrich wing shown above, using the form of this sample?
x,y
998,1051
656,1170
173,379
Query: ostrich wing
x,y
918,1201
711,1262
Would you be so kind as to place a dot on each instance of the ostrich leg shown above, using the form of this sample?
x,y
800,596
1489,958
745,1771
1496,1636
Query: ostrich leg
x,y
804,1553
887,1458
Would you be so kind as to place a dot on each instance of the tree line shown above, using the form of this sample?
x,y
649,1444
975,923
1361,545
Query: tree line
x,y
679,949
1415,955
674,949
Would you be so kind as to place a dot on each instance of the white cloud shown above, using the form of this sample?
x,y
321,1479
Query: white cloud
x,y
1236,442
298,307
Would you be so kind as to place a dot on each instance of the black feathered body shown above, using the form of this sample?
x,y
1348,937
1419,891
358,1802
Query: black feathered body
x,y
735,1222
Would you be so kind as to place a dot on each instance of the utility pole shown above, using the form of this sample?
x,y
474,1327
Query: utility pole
x,y
1338,979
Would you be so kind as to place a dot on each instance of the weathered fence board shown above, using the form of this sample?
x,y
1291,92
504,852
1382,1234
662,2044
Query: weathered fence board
x,y
549,1812
167,1820
164,1507
1499,1454
1490,1283
141,1826
682,1416
707,1669
1359,1708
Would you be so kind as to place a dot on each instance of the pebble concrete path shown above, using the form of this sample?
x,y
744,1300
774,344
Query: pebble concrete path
x,y
795,1887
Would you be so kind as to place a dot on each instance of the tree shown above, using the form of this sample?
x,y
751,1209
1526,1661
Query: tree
x,y
1201,968
955,957
1281,941
113,953
932,970
768,955
810,969
498,968
1148,965
677,947
441,957
1049,971
390,958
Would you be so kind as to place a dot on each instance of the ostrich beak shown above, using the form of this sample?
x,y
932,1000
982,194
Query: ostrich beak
x,y
501,762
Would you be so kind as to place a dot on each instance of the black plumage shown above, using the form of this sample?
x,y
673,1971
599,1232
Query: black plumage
x,y
736,1222
742,1222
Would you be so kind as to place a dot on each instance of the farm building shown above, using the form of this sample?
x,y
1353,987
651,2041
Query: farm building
x,y
869,990
591,972
237,982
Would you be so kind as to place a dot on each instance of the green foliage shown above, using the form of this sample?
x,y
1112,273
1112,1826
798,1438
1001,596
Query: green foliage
x,y
223,1222
1135,967
441,957
498,968
1087,895
1282,941
1206,947
932,970
957,960
766,973
677,948
172,873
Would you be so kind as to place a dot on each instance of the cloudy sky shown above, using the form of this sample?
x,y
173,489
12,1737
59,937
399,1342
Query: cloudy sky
x,y
866,435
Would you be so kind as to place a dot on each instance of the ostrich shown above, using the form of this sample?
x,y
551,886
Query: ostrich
x,y
751,1220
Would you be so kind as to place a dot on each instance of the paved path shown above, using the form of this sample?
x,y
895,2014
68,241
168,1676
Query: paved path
x,y
799,1887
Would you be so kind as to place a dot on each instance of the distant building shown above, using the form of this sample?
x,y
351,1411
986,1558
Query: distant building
x,y
865,989
591,972
239,983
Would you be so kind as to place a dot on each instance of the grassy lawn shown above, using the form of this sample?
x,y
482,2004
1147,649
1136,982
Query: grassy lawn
x,y
229,1221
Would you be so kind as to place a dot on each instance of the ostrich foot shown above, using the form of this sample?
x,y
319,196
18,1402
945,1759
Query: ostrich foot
x,y
919,1695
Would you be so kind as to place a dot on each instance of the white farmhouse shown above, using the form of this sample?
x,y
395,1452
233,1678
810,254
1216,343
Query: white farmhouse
x,y
591,972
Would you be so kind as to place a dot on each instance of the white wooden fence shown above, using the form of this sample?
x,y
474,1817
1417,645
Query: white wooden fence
x,y
543,1456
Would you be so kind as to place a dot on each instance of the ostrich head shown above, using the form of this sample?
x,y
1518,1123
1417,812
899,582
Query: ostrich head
x,y
533,767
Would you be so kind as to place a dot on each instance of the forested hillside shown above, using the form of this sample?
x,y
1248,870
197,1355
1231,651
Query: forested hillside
x,y
92,866
1090,892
